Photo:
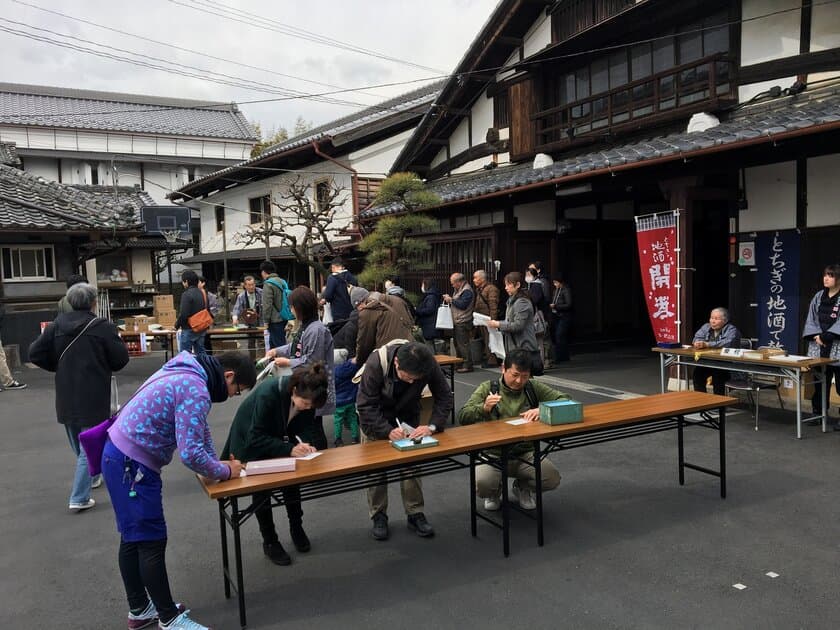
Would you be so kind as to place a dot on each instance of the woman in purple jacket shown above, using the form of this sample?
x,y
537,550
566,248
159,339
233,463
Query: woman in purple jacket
x,y
168,412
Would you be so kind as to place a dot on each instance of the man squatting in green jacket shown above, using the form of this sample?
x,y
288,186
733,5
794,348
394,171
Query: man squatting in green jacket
x,y
517,396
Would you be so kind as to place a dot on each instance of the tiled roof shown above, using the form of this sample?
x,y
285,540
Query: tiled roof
x,y
349,127
132,196
28,202
65,108
761,122
8,154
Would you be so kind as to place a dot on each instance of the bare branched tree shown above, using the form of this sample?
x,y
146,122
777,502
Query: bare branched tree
x,y
304,223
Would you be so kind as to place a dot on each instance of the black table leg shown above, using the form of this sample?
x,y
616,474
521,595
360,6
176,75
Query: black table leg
x,y
680,449
237,551
225,559
473,517
722,435
452,386
505,503
538,480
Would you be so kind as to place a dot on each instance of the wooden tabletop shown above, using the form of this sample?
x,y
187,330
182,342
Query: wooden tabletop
x,y
148,333
714,354
380,454
445,359
230,330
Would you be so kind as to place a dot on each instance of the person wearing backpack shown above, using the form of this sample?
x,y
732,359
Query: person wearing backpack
x,y
83,350
515,394
276,311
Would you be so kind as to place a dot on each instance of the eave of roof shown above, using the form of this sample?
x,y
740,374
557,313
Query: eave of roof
x,y
762,123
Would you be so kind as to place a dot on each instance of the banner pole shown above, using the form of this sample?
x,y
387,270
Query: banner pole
x,y
678,286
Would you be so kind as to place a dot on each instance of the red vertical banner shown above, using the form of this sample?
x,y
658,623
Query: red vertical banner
x,y
656,235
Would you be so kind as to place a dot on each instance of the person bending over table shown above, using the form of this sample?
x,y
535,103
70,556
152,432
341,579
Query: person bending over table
x,y
278,420
514,394
393,395
718,333
168,413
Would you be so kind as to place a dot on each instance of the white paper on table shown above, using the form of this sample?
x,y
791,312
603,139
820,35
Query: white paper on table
x,y
480,319
517,421
310,456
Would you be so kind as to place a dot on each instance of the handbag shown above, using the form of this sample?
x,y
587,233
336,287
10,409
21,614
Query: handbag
x,y
93,440
328,316
444,318
539,323
201,321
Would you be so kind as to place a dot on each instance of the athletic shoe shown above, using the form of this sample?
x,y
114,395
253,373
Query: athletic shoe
x,y
526,498
79,507
96,481
492,504
15,385
148,617
182,622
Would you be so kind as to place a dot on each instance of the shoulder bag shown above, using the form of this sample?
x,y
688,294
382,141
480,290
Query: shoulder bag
x,y
202,320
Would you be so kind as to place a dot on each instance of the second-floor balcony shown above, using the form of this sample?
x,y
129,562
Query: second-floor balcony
x,y
706,84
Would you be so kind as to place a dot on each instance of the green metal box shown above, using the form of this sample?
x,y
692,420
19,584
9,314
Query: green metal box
x,y
561,412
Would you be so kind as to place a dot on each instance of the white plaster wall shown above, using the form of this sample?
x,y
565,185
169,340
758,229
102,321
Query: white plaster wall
x,y
482,119
538,215
746,92
821,76
771,196
159,181
440,157
237,214
42,167
459,140
772,37
824,190
378,158
514,58
474,165
825,26
538,36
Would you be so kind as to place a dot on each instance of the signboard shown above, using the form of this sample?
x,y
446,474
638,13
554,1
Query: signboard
x,y
746,254
656,235
777,289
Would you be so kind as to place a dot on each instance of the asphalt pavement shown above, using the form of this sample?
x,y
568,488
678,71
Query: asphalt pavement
x,y
626,546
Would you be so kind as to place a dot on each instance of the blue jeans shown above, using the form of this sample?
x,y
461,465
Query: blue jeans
x,y
192,341
277,334
81,479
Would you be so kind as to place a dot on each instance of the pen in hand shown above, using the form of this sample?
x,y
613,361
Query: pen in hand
x,y
308,448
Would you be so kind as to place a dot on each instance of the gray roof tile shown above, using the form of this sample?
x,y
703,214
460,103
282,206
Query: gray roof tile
x,y
807,110
8,154
28,202
43,106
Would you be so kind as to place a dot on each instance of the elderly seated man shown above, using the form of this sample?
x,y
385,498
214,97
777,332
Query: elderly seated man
x,y
718,333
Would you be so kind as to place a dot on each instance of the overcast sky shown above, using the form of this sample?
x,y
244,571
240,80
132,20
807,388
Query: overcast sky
x,y
433,33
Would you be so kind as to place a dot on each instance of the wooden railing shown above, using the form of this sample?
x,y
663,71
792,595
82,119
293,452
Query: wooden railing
x,y
574,16
663,94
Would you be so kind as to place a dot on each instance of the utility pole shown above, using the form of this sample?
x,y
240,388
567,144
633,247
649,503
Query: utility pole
x,y
225,269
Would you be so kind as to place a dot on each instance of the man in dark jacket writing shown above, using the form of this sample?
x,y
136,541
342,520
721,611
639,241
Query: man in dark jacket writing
x,y
387,398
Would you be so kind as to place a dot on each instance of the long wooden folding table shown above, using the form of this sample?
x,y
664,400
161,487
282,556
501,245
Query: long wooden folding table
x,y
358,467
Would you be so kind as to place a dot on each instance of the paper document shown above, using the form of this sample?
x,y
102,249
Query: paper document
x,y
789,358
480,320
517,421
310,456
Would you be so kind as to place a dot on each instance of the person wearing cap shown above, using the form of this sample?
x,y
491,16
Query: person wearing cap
x,y
345,337
337,291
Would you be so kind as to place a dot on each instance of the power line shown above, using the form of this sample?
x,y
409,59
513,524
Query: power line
x,y
244,17
182,48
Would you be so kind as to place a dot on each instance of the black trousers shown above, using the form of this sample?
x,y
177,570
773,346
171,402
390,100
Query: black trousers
x,y
719,378
143,570
294,511
831,372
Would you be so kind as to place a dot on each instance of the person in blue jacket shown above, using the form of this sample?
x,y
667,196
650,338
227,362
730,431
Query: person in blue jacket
x,y
427,312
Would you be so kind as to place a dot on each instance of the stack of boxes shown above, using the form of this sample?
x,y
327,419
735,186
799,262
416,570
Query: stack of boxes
x,y
165,311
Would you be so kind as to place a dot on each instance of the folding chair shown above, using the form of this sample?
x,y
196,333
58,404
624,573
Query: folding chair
x,y
752,385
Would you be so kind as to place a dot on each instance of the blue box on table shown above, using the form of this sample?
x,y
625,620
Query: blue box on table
x,y
561,412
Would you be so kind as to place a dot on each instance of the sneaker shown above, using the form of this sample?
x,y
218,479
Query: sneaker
x,y
148,617
380,526
182,622
493,504
338,442
419,525
96,481
15,385
524,496
79,507
276,554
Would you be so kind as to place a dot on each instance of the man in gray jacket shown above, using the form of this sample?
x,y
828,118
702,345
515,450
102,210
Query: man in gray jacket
x,y
462,301
718,333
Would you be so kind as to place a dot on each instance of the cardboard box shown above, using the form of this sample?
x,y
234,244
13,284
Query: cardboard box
x,y
138,323
166,318
164,303
561,412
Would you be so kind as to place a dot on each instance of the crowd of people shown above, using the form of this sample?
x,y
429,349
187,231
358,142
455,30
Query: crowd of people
x,y
369,368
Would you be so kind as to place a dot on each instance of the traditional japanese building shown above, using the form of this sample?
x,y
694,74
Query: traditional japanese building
x,y
566,120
